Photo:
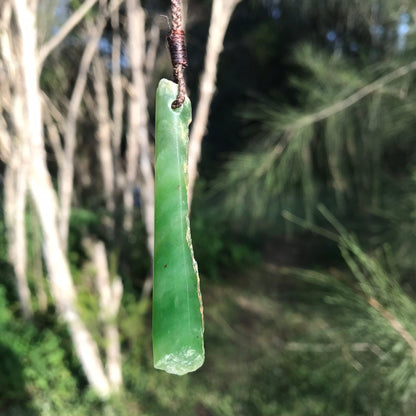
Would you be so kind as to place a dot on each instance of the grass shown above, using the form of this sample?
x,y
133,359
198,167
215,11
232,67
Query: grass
x,y
274,346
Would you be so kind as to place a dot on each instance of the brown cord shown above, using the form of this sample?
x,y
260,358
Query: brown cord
x,y
178,75
177,48
176,7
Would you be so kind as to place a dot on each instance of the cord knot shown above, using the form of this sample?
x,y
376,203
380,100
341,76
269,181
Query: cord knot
x,y
177,48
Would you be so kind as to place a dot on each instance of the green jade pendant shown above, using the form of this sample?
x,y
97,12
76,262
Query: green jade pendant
x,y
178,327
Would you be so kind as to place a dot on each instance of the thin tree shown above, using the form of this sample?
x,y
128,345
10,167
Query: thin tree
x,y
29,134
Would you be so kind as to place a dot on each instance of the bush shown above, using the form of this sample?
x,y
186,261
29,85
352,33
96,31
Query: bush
x,y
33,367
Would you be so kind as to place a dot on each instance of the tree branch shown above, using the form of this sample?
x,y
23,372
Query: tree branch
x,y
352,99
331,110
110,292
65,29
151,53
395,324
104,129
44,198
138,160
54,137
67,171
117,87
220,19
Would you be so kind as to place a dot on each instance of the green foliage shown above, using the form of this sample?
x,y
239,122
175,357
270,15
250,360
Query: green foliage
x,y
83,223
219,249
131,256
76,4
33,365
331,146
133,320
376,310
294,344
398,219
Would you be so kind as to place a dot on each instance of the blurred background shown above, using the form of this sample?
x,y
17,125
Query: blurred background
x,y
303,211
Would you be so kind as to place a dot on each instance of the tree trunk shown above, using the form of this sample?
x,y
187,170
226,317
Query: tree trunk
x,y
109,293
66,171
105,153
44,197
15,154
220,19
139,166
118,104
15,188
35,262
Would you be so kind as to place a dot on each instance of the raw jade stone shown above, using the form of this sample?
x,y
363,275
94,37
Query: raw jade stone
x,y
178,327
